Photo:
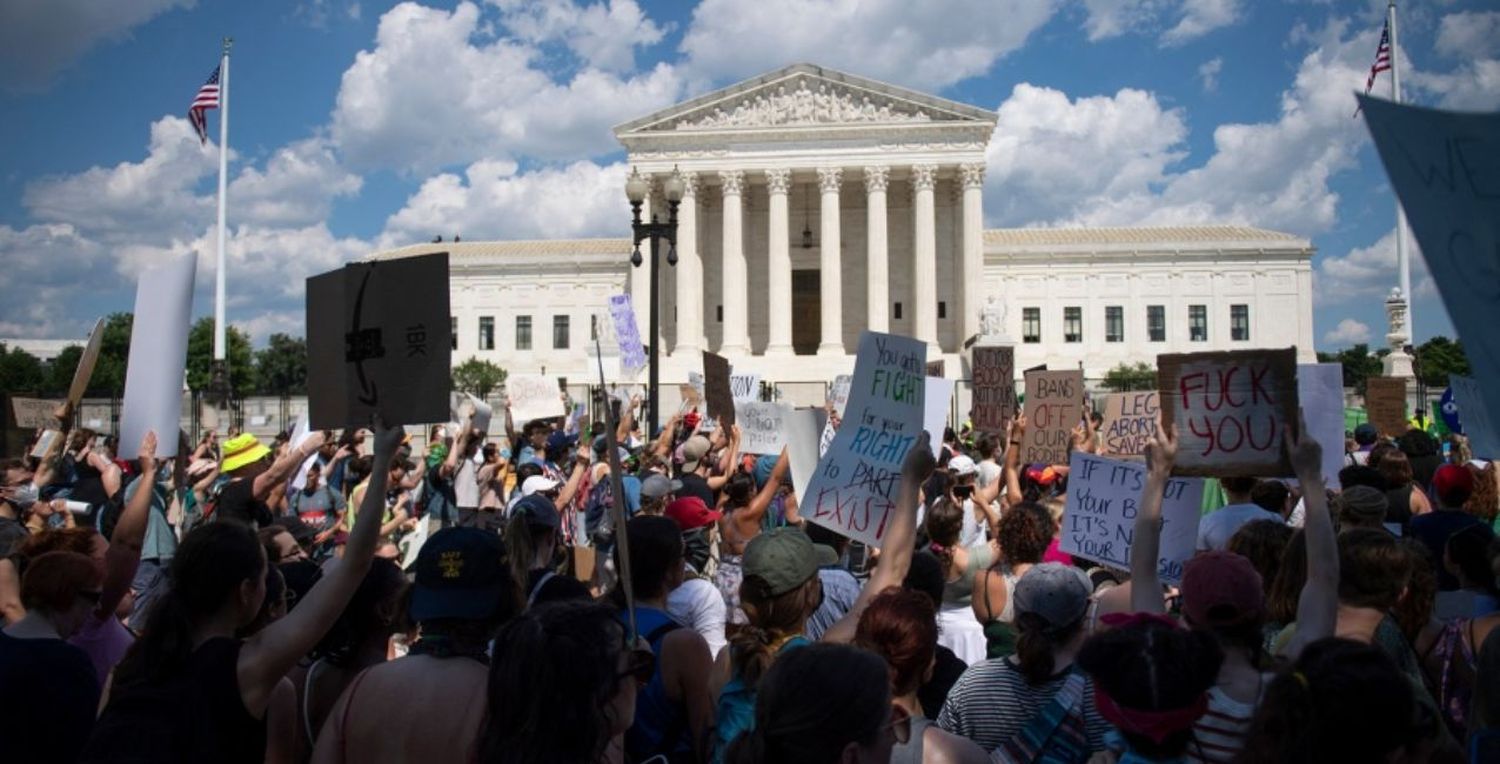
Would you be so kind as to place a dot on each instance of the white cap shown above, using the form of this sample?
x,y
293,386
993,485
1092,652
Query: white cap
x,y
537,484
962,465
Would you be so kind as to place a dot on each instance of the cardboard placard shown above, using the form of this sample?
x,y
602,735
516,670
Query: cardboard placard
x,y
1478,418
994,370
853,491
1129,421
532,397
762,425
158,355
35,412
1385,405
627,334
1104,496
744,387
1444,168
1054,406
935,403
86,362
716,388
838,394
1232,410
1320,393
935,368
379,341
45,443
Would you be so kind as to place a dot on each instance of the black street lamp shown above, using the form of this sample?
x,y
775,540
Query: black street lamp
x,y
636,188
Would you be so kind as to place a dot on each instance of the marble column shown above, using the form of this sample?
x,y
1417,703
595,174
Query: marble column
x,y
779,263
736,292
971,265
924,255
830,263
689,272
877,279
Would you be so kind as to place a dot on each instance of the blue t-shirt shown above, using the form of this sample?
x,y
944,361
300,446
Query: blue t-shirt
x,y
160,542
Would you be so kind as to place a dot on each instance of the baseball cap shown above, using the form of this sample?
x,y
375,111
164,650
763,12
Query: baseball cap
x,y
460,573
962,465
1041,474
538,509
1058,593
601,447
1365,434
656,486
693,452
558,442
783,559
1221,589
241,450
537,484
691,513
1453,484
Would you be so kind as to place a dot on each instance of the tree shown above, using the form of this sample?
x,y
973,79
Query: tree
x,y
478,378
20,371
1359,364
1124,378
1439,357
200,354
114,353
281,367
60,369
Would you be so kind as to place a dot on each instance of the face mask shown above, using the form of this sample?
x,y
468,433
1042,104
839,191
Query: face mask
x,y
25,495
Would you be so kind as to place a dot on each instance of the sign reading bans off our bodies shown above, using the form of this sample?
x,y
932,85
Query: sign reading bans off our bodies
x,y
1054,406
1232,410
853,491
1103,500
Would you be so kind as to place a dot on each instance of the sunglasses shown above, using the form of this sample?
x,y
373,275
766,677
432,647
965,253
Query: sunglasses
x,y
641,664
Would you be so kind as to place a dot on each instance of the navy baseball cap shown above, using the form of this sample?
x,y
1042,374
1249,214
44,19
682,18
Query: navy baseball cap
x,y
460,573
539,510
558,442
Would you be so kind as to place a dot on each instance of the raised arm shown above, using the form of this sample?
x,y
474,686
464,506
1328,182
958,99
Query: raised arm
x,y
283,468
728,459
1318,605
460,445
1013,495
761,501
627,420
124,554
575,480
1145,584
510,424
663,447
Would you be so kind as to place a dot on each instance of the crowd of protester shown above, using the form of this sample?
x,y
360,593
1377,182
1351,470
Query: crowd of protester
x,y
368,597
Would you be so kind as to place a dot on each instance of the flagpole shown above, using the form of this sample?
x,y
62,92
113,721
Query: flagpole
x,y
220,372
1403,263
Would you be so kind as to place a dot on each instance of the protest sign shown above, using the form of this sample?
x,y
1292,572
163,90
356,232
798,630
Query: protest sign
x,y
716,388
744,387
86,362
379,341
935,401
35,412
1320,393
300,433
1385,404
1479,421
1098,520
533,396
1445,168
49,440
1232,410
762,426
935,368
632,352
838,394
158,355
853,491
1129,421
802,447
465,406
994,370
1054,406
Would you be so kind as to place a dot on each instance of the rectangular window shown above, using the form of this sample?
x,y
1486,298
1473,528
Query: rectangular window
x,y
1198,323
1239,323
719,313
453,332
560,332
594,327
523,332
1031,325
1114,323
942,309
486,332
1072,324
1156,322
897,311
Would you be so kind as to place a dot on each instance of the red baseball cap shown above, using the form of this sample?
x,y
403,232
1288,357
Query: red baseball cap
x,y
691,513
1453,485
1221,589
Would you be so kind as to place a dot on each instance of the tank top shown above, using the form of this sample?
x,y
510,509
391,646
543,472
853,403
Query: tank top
x,y
657,717
910,752
1398,505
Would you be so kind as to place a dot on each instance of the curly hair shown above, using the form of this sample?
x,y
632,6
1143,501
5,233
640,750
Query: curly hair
x,y
1025,532
1484,502
1414,608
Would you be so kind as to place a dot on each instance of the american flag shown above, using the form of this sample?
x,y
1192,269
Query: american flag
x,y
1382,57
207,98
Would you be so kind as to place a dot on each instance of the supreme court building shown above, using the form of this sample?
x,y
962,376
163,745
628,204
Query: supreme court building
x,y
819,204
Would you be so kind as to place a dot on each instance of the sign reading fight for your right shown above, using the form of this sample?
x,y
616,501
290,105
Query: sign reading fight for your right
x,y
1232,410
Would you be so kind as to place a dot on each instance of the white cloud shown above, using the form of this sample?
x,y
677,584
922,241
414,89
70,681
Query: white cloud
x,y
296,188
45,266
436,92
604,35
1208,73
930,45
1194,18
41,38
1370,272
1469,35
1199,17
1348,332
1112,18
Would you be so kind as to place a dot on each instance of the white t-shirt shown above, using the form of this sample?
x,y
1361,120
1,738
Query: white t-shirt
x,y
989,472
1215,529
974,531
466,484
699,605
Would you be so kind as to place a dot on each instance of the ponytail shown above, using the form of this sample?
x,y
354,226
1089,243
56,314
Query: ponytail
x,y
1037,641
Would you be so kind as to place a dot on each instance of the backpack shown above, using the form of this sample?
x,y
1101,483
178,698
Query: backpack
x,y
598,513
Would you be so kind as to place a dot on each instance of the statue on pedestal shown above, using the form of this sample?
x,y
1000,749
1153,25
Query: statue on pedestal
x,y
992,320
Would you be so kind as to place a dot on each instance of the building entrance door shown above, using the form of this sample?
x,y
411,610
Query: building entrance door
x,y
807,311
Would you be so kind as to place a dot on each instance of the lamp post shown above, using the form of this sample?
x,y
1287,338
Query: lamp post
x,y
636,188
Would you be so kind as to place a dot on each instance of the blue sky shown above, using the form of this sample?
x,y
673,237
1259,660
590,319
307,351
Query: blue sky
x,y
357,126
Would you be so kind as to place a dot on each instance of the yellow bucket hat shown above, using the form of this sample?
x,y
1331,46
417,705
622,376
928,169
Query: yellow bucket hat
x,y
241,450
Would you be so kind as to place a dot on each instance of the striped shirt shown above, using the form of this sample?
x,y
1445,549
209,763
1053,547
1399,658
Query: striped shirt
x,y
1221,732
991,702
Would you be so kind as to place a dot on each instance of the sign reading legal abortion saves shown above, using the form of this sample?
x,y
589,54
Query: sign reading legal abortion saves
x,y
1129,421
1098,521
853,491
1232,410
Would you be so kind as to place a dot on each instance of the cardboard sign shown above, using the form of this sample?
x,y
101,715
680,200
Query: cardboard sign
x,y
935,368
1320,392
716,389
853,491
86,362
744,387
1104,496
802,447
632,351
994,370
1054,406
1232,410
46,443
465,406
935,403
1445,168
763,426
838,394
1129,421
533,396
379,341
1385,404
35,412
1479,422
158,355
